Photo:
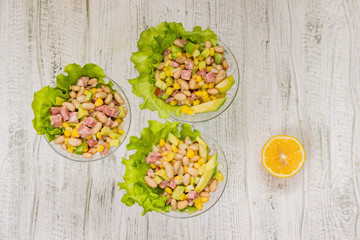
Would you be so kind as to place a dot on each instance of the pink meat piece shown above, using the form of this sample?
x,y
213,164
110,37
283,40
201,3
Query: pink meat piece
x,y
181,103
92,142
186,74
105,151
192,97
84,131
115,102
150,173
108,123
167,52
175,92
192,195
168,201
189,65
89,122
56,120
64,113
114,112
82,81
73,117
154,158
163,149
54,110
174,64
94,99
106,110
101,108
210,77
202,73
169,99
163,184
172,184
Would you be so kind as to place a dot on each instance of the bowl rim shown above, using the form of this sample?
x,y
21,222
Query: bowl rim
x,y
225,180
82,159
217,113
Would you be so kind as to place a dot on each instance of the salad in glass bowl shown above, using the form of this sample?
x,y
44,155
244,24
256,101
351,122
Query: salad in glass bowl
x,y
84,117
174,167
184,72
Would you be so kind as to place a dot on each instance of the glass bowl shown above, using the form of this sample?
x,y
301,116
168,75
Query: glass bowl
x,y
215,196
97,156
230,95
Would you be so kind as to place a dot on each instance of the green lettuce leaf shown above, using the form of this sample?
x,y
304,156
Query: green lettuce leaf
x,y
48,97
136,167
152,43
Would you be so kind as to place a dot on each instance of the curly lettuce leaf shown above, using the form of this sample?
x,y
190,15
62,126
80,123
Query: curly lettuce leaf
x,y
48,97
136,167
152,44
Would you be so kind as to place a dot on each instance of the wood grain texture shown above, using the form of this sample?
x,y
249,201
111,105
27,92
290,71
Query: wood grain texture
x,y
299,67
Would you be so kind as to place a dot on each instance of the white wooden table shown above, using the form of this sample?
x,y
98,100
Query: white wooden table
x,y
299,63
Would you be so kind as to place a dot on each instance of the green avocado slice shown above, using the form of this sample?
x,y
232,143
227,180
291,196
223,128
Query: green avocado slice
x,y
225,84
210,106
210,170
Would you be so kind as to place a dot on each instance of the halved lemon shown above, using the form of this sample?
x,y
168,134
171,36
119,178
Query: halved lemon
x,y
283,156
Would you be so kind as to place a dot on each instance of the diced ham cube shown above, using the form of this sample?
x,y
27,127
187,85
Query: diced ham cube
x,y
89,122
150,173
168,201
92,142
186,74
154,158
54,110
107,110
202,73
84,131
101,108
114,112
115,102
172,184
157,169
73,117
174,93
82,81
56,120
210,77
174,64
192,195
169,99
163,184
64,113
105,151
189,65
192,97
108,123
166,53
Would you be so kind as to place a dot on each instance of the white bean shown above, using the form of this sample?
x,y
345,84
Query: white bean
x,y
150,182
182,204
185,161
88,105
92,81
213,185
76,103
74,142
75,88
87,155
176,167
100,95
81,99
186,179
80,92
108,98
73,94
173,204
59,140
218,49
96,128
105,88
208,44
169,171
118,98
69,106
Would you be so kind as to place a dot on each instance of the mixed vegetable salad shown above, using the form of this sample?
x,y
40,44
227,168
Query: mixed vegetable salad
x,y
83,114
180,71
170,168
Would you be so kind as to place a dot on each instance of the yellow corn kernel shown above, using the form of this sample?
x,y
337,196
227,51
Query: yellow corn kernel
x,y
182,66
196,102
93,90
198,78
86,92
70,150
202,161
78,126
196,61
168,73
180,142
100,148
98,135
75,133
185,169
174,148
191,111
178,54
178,178
209,157
200,58
208,68
66,140
161,166
176,86
171,155
162,142
212,51
118,120
196,68
67,133
89,137
197,201
122,132
169,56
185,109
211,85
163,154
204,199
152,165
182,197
167,63
205,85
169,91
213,97
221,177
190,153
99,102
197,166
188,55
198,93
206,99
107,145
204,93
173,103
168,190
173,161
165,69
65,125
